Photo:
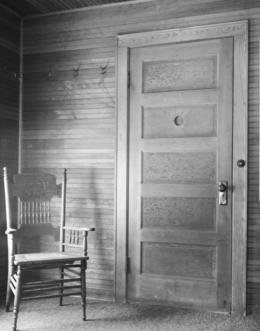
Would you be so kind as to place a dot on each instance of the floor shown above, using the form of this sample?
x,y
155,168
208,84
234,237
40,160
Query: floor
x,y
46,315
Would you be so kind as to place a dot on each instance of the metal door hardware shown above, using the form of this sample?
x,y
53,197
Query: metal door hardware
x,y
241,163
222,192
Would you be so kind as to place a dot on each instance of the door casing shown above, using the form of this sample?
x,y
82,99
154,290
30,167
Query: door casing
x,y
239,32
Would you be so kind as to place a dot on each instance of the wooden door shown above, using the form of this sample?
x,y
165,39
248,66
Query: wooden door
x,y
180,148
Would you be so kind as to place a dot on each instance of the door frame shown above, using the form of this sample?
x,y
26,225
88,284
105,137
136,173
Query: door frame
x,y
239,31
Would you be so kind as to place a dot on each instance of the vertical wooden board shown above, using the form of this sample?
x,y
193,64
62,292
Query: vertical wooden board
x,y
21,92
122,173
224,157
9,118
239,245
134,165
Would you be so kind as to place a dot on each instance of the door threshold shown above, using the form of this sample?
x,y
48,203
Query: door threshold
x,y
180,305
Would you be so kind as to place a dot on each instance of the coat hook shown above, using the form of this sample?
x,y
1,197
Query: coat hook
x,y
76,70
50,75
104,69
9,73
18,75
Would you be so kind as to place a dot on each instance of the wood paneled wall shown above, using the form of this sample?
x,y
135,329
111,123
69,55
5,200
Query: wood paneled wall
x,y
9,115
70,111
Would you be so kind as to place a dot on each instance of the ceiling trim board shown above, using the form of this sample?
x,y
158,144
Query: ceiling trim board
x,y
10,11
68,11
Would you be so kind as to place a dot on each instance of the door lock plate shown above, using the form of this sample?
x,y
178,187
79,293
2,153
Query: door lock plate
x,y
222,193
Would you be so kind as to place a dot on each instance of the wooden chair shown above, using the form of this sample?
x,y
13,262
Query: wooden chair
x,y
35,193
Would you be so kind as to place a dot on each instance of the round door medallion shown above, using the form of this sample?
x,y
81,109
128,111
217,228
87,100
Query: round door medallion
x,y
178,120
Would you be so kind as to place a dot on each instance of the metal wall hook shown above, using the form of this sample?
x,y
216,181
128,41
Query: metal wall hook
x,y
50,75
76,70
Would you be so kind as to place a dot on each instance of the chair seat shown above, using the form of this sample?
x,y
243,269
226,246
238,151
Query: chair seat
x,y
49,258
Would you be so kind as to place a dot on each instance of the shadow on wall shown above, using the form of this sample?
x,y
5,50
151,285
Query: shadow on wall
x,y
100,241
87,205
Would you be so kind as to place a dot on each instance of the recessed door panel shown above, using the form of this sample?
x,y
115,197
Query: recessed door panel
x,y
178,260
179,212
179,167
182,121
180,74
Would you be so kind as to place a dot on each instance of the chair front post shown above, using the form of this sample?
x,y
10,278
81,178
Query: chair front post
x,y
63,210
11,268
17,297
10,238
62,231
85,243
83,287
9,229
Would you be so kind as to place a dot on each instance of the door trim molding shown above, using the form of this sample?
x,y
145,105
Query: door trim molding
x,y
239,32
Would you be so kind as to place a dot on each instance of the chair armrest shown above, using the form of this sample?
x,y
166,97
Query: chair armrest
x,y
75,228
74,240
10,231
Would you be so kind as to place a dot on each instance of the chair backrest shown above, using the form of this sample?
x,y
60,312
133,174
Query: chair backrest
x,y
34,192
33,215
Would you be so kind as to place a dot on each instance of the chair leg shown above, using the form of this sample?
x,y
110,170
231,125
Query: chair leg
x,y
17,297
83,288
8,295
61,285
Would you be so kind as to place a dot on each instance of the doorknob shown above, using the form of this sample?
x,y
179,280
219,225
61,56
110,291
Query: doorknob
x,y
222,192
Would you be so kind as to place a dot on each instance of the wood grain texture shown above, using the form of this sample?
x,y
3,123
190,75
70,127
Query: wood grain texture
x,y
9,95
199,73
204,291
122,173
179,260
34,7
179,167
171,213
178,122
49,43
240,150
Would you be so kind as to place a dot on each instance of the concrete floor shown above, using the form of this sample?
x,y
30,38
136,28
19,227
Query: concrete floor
x,y
46,315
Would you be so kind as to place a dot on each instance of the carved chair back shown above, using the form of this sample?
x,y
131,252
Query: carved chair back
x,y
34,193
